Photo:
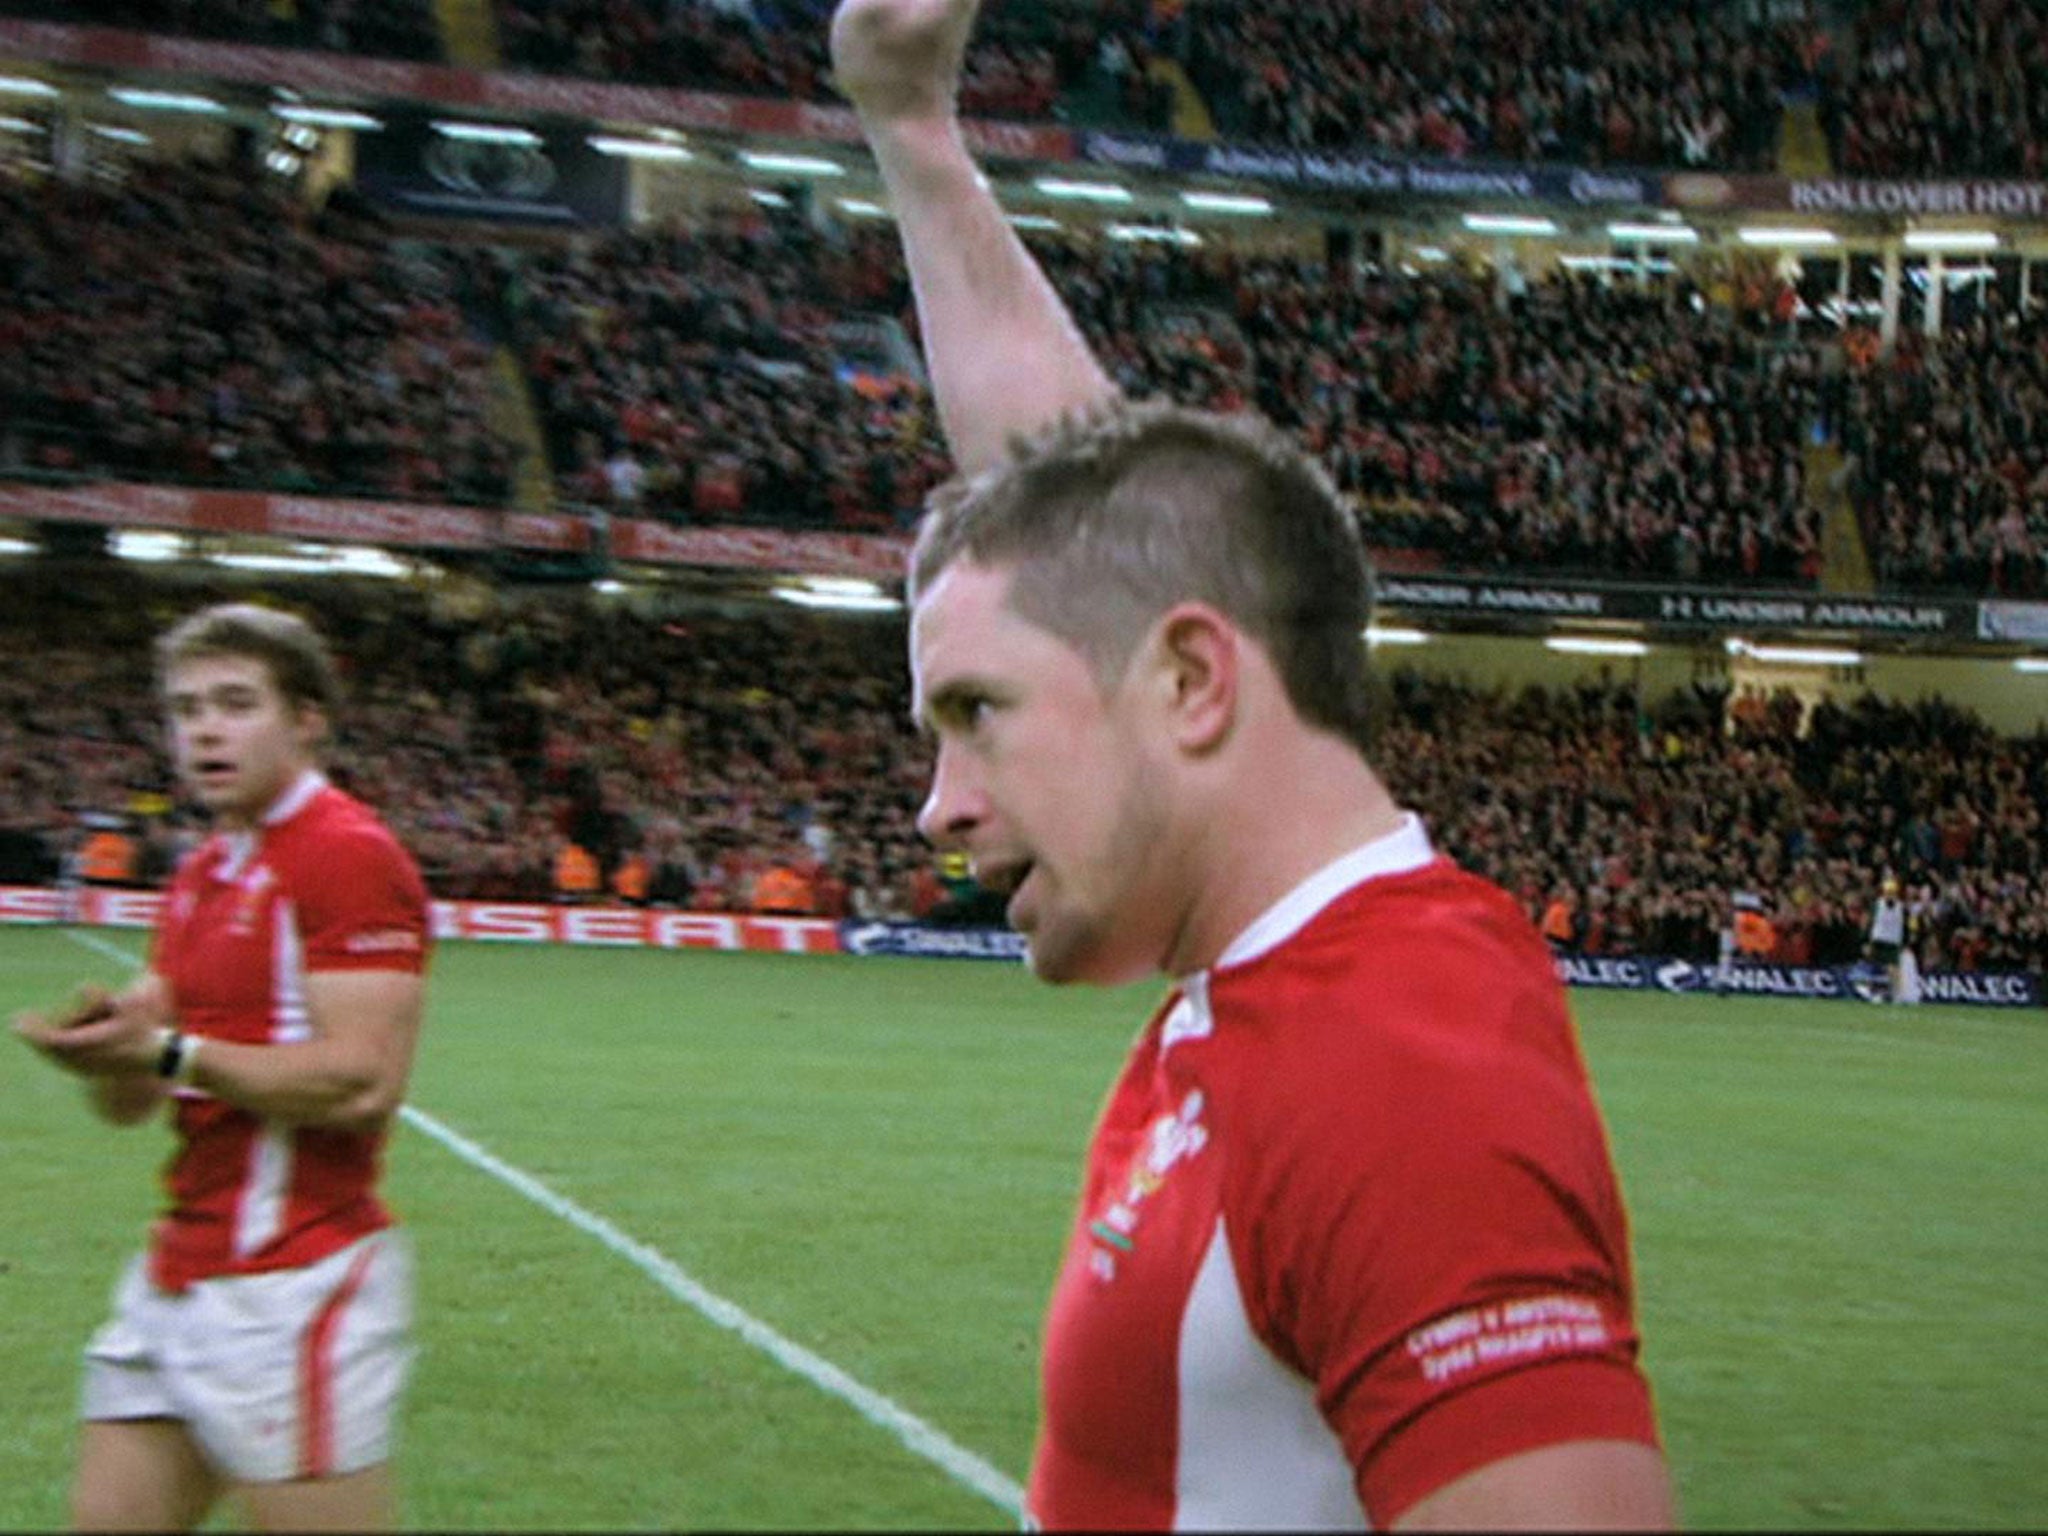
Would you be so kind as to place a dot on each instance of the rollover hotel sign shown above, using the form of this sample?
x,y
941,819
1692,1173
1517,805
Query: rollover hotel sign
x,y
1981,197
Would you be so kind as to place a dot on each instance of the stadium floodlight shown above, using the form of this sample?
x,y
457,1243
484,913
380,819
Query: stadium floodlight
x,y
486,133
862,208
1033,221
640,149
1155,234
849,594
1795,655
1617,264
791,165
316,560
1395,634
1595,645
1951,240
1762,234
120,135
165,101
2032,664
1229,202
329,117
1656,234
1509,224
147,544
25,85
1083,191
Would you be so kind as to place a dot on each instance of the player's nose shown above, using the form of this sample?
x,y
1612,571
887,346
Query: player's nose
x,y
956,803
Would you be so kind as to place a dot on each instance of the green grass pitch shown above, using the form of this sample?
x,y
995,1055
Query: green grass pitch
x,y
1841,1233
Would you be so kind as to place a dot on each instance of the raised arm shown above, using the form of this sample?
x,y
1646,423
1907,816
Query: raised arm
x,y
1005,356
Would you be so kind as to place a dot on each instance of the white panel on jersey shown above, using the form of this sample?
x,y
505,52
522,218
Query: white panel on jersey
x,y
289,1021
259,1216
1255,1453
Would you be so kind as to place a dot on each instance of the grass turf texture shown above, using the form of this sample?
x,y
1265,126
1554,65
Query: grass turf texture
x,y
1838,1226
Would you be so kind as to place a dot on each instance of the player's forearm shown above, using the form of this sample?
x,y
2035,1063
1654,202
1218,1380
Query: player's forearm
x,y
1004,354
318,1082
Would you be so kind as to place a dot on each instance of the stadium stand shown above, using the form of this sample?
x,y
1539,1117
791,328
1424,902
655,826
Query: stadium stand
x,y
195,326
1570,426
392,29
694,374
1619,82
1950,443
1936,89
1031,61
1902,88
715,747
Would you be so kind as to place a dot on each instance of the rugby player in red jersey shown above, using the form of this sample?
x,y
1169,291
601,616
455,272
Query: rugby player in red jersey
x,y
259,1345
1350,1248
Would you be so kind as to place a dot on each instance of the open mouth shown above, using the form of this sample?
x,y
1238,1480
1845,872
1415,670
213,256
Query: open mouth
x,y
1003,879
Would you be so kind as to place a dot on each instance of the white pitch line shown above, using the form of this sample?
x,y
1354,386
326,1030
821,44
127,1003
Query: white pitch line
x,y
957,1462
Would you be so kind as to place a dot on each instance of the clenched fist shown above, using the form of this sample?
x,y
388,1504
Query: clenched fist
x,y
899,59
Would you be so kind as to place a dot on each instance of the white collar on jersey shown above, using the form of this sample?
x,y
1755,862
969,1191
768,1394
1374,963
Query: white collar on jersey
x,y
239,847
293,800
1397,852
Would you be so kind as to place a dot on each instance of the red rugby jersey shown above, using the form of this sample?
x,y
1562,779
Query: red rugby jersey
x,y
1349,1226
322,886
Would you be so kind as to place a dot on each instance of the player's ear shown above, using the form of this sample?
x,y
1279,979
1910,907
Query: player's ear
x,y
310,725
1198,655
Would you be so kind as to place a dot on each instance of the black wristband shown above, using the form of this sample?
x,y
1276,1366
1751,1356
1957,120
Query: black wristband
x,y
172,1056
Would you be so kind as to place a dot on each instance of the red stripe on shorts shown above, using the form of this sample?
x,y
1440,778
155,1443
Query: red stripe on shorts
x,y
316,1373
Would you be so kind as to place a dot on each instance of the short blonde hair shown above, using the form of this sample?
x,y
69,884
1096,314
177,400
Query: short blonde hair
x,y
297,659
1111,516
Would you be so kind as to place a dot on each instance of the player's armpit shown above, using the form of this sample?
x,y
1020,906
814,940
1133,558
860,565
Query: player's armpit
x,y
1582,1485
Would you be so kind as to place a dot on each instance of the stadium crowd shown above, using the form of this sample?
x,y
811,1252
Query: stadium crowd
x,y
1563,425
1936,87
575,748
1903,87
1950,443
1627,827
1617,82
196,326
386,29
1575,427
705,375
1027,57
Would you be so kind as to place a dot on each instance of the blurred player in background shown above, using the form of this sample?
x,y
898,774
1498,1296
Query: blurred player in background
x,y
1887,938
259,1345
1350,1246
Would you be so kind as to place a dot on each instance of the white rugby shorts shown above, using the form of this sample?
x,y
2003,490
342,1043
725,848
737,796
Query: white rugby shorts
x,y
280,1376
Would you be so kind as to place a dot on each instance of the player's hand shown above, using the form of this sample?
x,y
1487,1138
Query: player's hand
x,y
96,1034
901,59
